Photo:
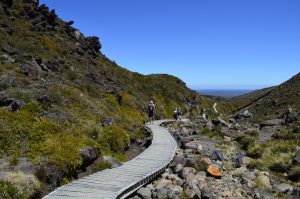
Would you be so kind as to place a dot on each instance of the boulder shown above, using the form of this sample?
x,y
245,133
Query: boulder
x,y
296,160
235,126
192,158
11,103
178,159
108,121
176,180
163,183
237,161
192,145
184,131
5,100
246,160
217,155
144,193
178,168
175,191
17,105
53,66
246,114
200,149
187,171
239,171
166,189
43,98
200,178
214,171
162,193
29,70
185,140
283,188
273,122
50,174
88,155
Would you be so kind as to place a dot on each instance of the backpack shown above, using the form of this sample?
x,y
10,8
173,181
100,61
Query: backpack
x,y
179,112
151,107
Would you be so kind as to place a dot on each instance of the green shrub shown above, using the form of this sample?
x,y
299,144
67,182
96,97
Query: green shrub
x,y
9,191
262,182
63,151
284,135
255,164
254,150
25,184
72,75
103,165
114,138
94,134
200,164
244,141
252,133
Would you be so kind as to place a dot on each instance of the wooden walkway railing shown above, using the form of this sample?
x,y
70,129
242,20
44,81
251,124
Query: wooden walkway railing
x,y
122,181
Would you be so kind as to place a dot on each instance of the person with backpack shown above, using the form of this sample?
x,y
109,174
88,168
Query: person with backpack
x,y
179,114
151,112
175,116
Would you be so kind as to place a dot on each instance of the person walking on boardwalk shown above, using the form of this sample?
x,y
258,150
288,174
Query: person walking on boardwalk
x,y
151,112
175,114
179,114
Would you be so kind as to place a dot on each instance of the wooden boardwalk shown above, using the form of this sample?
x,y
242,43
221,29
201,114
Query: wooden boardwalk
x,y
122,181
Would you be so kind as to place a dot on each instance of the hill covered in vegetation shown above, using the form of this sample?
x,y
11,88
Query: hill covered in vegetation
x,y
59,96
270,102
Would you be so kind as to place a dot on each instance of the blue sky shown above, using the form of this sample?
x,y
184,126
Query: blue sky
x,y
220,44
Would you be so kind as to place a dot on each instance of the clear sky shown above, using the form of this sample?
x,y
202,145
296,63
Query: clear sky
x,y
244,44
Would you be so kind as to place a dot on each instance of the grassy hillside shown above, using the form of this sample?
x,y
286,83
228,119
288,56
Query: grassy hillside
x,y
268,102
280,98
59,93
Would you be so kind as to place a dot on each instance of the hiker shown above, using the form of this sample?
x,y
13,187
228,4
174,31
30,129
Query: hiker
x,y
175,116
179,114
151,112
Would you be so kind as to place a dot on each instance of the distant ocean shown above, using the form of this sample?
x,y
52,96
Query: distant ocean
x,y
224,92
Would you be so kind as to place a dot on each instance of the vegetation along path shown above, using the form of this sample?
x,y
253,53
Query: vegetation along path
x,y
124,180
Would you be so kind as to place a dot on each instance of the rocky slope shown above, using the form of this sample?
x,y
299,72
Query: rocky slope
x,y
270,102
215,160
63,103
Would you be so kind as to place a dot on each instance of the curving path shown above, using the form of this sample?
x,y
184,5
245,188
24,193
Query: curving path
x,y
215,107
122,181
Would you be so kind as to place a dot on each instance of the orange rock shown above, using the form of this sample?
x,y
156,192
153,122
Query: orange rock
x,y
214,171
